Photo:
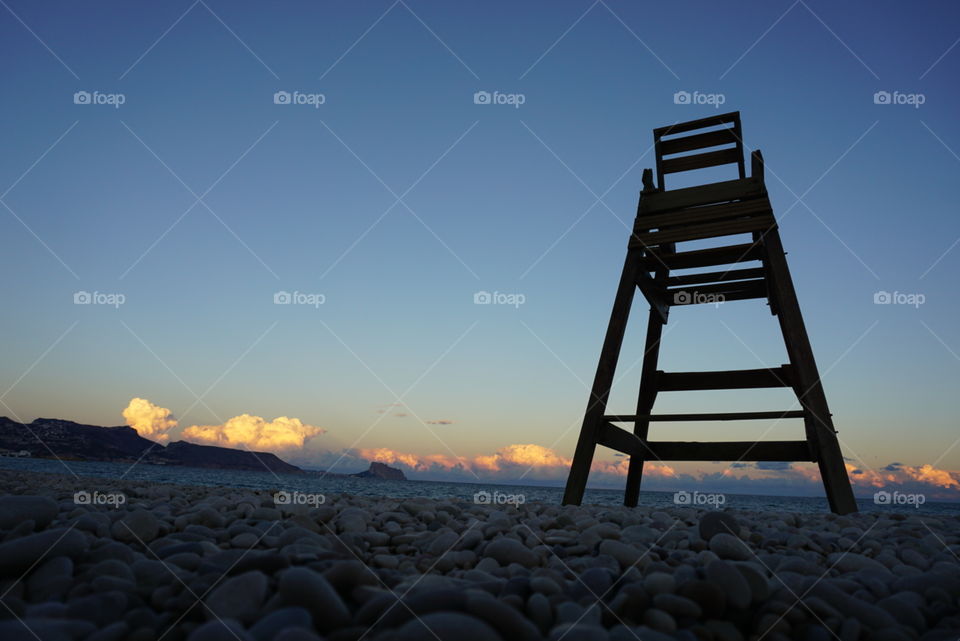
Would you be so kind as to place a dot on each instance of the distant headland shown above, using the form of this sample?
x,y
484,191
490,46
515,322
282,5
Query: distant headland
x,y
71,441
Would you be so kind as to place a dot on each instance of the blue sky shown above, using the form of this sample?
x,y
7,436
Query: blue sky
x,y
398,198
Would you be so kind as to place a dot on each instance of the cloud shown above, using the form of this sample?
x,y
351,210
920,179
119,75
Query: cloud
x,y
151,421
254,433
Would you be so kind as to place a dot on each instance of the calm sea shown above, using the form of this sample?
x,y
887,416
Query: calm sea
x,y
426,489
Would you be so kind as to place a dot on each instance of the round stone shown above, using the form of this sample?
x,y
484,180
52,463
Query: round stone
x,y
506,551
139,526
713,523
728,578
727,546
15,509
238,597
309,589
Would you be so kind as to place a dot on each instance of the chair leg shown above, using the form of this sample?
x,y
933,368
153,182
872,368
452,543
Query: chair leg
x,y
645,401
602,382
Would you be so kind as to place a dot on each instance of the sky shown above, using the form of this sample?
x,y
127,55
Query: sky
x,y
268,222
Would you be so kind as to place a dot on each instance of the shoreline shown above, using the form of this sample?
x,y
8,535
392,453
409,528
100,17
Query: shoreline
x,y
204,563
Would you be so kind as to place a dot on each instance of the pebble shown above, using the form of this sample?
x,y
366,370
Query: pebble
x,y
657,582
309,589
446,626
506,551
16,509
731,582
238,597
218,630
713,523
139,526
20,554
727,546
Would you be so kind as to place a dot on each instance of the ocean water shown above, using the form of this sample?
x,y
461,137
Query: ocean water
x,y
489,492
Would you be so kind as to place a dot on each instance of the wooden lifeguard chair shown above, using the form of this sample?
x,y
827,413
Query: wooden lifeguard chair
x,y
666,217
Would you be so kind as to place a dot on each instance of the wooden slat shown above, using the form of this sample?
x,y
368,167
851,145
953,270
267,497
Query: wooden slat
x,y
701,161
715,277
733,209
715,416
729,451
712,256
690,125
717,380
698,141
761,222
719,192
623,441
717,293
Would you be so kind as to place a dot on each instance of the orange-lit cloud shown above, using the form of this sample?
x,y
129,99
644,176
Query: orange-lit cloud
x,y
254,432
244,431
151,421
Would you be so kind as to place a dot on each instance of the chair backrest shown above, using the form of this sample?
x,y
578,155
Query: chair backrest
x,y
727,132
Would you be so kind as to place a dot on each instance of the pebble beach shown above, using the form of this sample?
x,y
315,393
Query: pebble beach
x,y
104,560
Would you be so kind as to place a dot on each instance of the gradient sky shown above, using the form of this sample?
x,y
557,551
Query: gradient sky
x,y
399,198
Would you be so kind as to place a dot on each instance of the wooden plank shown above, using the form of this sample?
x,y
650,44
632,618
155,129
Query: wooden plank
x,y
690,125
718,192
701,161
717,293
714,277
730,451
602,381
698,141
618,439
712,256
731,379
716,416
733,209
707,230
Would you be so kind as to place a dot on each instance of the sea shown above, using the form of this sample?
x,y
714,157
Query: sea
x,y
490,493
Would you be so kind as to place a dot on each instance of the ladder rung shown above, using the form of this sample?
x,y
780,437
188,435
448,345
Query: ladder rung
x,y
717,293
712,256
731,379
726,136
717,416
623,441
719,192
715,277
707,230
701,161
703,214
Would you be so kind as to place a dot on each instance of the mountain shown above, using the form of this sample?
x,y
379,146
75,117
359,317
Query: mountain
x,y
381,471
221,458
55,438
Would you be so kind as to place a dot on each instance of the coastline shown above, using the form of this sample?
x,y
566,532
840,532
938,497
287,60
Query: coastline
x,y
188,562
